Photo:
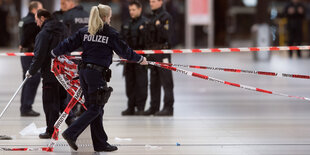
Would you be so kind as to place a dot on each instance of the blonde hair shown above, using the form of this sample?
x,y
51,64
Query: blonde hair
x,y
96,17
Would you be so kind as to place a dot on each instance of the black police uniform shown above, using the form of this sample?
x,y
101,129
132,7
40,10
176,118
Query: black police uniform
x,y
159,37
294,25
136,78
4,34
28,33
51,34
59,15
75,19
97,57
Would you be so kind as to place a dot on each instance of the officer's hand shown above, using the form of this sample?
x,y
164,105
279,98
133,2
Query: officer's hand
x,y
157,22
28,75
144,62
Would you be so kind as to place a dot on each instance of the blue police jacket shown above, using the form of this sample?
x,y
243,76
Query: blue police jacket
x,y
97,49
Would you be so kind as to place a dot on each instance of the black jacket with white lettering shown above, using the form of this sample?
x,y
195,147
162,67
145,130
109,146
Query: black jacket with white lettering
x,y
97,49
75,19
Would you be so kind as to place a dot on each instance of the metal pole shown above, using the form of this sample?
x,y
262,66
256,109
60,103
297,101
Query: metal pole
x,y
211,25
13,96
189,29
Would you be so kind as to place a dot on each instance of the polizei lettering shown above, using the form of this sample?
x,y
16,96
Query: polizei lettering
x,y
96,38
81,20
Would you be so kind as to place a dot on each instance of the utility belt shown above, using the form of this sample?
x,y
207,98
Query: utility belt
x,y
106,72
28,48
23,50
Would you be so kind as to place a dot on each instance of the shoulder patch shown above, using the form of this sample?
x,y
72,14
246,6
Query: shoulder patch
x,y
166,26
126,27
141,27
20,24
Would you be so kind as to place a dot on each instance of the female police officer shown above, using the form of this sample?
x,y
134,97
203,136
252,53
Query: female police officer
x,y
98,41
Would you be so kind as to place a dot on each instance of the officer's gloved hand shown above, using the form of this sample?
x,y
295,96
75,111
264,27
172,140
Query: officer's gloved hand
x,y
144,61
28,75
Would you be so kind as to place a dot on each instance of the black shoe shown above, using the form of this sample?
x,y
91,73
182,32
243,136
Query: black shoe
x,y
30,113
4,137
139,113
108,148
165,112
45,135
128,112
149,112
70,142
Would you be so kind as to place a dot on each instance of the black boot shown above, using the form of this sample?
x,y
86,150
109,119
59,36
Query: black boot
x,y
4,137
128,112
45,135
139,113
150,111
30,113
108,148
165,112
70,142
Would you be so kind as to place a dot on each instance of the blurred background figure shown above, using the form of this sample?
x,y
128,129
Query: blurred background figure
x,y
28,33
136,79
63,8
295,14
160,34
12,22
3,25
75,17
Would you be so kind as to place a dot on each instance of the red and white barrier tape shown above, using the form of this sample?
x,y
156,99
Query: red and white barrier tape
x,y
207,50
24,149
189,73
242,71
229,70
224,50
65,71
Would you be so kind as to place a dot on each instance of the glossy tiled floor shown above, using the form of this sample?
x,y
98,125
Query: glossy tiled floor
x,y
210,118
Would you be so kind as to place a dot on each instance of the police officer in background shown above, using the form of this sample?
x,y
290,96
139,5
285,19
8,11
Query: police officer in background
x,y
52,32
99,40
136,79
58,15
28,33
295,13
75,17
159,31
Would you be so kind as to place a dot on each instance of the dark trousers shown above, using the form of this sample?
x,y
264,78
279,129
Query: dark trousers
x,y
161,77
295,39
54,96
136,85
29,89
90,81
